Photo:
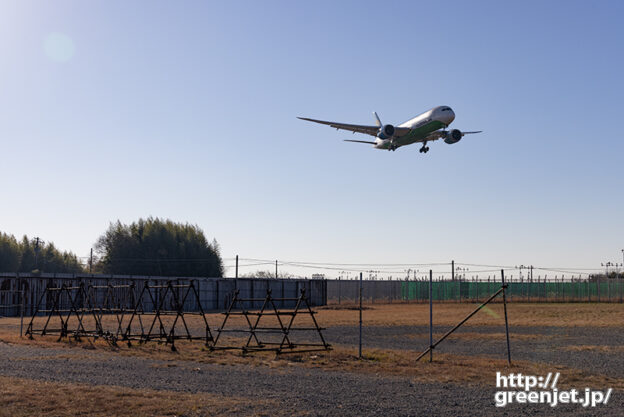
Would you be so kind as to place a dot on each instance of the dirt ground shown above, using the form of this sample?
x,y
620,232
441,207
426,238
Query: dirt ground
x,y
582,342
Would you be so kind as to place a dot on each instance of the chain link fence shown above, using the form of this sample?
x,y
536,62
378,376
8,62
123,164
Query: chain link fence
x,y
545,290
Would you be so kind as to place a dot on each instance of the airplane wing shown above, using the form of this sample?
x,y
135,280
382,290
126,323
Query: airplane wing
x,y
369,130
440,134
360,141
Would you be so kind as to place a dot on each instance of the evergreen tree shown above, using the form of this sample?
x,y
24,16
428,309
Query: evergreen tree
x,y
158,247
9,253
26,256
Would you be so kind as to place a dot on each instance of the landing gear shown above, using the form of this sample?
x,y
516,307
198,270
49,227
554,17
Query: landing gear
x,y
424,149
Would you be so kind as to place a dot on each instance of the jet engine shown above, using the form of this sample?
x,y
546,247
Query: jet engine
x,y
453,136
385,132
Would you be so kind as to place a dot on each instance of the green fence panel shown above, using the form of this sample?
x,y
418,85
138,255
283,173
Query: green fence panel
x,y
517,291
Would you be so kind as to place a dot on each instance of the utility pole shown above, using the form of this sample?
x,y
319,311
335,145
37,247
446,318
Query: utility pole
x,y
91,261
37,242
452,270
236,273
521,267
276,269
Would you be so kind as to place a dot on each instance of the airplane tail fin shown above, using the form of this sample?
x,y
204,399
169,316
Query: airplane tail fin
x,y
377,119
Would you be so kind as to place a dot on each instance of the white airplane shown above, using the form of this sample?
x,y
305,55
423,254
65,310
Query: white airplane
x,y
426,127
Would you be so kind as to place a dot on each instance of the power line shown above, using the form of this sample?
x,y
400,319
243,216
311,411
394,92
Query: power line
x,y
486,266
378,268
351,264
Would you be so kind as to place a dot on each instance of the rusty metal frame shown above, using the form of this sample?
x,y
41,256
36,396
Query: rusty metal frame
x,y
79,310
133,322
82,301
285,328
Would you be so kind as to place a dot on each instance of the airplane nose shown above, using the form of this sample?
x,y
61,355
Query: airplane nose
x,y
451,116
448,117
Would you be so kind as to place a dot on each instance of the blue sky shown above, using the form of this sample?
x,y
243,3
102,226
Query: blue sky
x,y
187,110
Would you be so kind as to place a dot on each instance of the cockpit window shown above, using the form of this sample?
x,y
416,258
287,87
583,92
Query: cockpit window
x,y
446,109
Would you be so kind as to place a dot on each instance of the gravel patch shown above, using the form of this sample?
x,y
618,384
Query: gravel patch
x,y
299,390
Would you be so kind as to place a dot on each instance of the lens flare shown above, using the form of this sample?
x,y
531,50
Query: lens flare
x,y
59,47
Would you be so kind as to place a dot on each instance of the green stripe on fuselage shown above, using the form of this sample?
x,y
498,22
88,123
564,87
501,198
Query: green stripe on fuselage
x,y
416,134
421,132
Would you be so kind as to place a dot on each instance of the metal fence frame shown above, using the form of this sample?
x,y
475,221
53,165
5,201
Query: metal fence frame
x,y
215,293
12,305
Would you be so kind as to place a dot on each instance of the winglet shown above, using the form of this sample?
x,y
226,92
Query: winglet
x,y
378,122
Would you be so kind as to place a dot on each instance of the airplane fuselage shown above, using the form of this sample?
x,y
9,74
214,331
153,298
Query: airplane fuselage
x,y
420,127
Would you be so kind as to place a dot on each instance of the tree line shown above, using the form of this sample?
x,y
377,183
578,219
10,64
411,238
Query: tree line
x,y
34,255
149,246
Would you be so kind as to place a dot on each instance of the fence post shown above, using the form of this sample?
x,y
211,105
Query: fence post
x,y
339,285
506,322
360,345
598,287
580,289
21,293
511,288
20,289
374,290
430,315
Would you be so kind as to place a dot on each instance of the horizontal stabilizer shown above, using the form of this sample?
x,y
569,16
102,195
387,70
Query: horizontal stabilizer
x,y
359,141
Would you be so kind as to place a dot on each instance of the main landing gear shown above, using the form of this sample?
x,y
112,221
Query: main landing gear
x,y
424,148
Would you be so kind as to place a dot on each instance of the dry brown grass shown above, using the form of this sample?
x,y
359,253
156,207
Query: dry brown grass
x,y
478,336
25,397
448,314
445,314
595,348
